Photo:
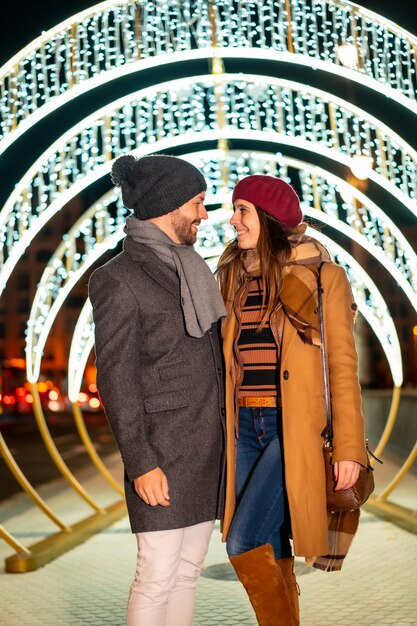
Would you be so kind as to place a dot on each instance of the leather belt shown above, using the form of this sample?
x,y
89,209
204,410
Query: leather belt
x,y
259,401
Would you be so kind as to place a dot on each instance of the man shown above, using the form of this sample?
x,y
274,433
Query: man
x,y
159,373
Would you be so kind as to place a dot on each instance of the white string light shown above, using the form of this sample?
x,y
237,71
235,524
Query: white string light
x,y
115,38
370,303
101,227
255,107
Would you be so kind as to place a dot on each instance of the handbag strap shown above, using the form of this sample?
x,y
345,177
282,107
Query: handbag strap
x,y
328,430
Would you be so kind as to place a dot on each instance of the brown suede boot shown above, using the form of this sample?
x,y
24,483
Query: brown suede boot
x,y
287,568
264,583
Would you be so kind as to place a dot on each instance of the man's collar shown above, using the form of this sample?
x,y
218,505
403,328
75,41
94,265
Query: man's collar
x,y
152,265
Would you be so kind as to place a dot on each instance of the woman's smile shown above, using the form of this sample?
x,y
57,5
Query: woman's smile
x,y
245,221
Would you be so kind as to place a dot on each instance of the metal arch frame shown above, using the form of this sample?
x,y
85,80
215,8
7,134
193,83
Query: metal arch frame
x,y
28,488
206,51
36,222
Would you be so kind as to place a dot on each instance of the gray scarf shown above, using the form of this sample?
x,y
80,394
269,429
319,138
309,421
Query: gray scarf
x,y
201,301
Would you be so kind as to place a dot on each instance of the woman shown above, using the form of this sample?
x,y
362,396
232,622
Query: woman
x,y
275,398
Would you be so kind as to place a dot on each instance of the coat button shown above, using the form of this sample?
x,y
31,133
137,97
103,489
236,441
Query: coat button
x,y
223,412
286,375
219,371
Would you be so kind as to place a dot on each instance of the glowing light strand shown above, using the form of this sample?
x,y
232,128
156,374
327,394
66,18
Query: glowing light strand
x,y
371,304
369,299
254,108
81,345
101,227
95,231
113,35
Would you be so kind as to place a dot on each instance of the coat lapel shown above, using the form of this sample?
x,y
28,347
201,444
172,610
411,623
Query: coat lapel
x,y
153,266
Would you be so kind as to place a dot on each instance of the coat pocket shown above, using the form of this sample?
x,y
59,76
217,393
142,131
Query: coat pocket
x,y
167,401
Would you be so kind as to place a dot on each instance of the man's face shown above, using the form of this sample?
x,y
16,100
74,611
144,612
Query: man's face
x,y
186,219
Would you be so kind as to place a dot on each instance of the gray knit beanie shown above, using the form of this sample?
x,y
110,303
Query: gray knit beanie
x,y
155,185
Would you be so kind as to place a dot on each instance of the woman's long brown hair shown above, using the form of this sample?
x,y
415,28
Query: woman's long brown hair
x,y
273,249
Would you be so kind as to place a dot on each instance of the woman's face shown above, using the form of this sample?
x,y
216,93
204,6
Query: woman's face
x,y
245,220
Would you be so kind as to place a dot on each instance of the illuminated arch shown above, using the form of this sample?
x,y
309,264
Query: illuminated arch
x,y
295,115
83,339
114,38
66,267
370,303
215,34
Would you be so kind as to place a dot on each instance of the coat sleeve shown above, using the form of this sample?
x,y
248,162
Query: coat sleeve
x,y
342,356
117,322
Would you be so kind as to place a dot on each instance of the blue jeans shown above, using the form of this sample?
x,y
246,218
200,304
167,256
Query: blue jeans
x,y
260,498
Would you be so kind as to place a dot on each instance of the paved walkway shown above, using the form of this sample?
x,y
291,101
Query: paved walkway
x,y
89,585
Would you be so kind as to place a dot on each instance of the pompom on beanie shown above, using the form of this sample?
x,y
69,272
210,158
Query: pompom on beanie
x,y
272,195
157,184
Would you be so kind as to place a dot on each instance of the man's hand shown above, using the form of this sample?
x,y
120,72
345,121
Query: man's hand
x,y
345,474
152,487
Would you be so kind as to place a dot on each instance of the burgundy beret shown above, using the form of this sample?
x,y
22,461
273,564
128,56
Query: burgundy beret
x,y
272,195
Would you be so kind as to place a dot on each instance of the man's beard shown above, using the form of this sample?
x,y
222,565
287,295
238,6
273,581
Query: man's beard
x,y
183,229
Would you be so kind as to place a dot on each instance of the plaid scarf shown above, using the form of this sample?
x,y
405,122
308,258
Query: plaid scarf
x,y
342,528
299,285
298,294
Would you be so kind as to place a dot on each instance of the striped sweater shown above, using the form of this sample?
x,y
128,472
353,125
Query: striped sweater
x,y
258,351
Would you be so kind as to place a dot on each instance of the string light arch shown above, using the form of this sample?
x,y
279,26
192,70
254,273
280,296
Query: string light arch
x,y
183,111
113,39
101,228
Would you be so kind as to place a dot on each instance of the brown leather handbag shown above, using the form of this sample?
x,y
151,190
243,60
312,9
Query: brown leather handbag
x,y
345,499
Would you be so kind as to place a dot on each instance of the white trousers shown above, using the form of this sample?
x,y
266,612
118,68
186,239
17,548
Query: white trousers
x,y
168,565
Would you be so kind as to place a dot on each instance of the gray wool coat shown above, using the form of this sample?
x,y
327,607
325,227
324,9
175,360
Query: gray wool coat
x,y
161,389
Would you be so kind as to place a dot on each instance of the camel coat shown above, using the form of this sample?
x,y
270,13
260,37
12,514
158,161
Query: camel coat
x,y
303,412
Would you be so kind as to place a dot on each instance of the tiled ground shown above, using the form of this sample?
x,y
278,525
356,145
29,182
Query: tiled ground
x,y
89,585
